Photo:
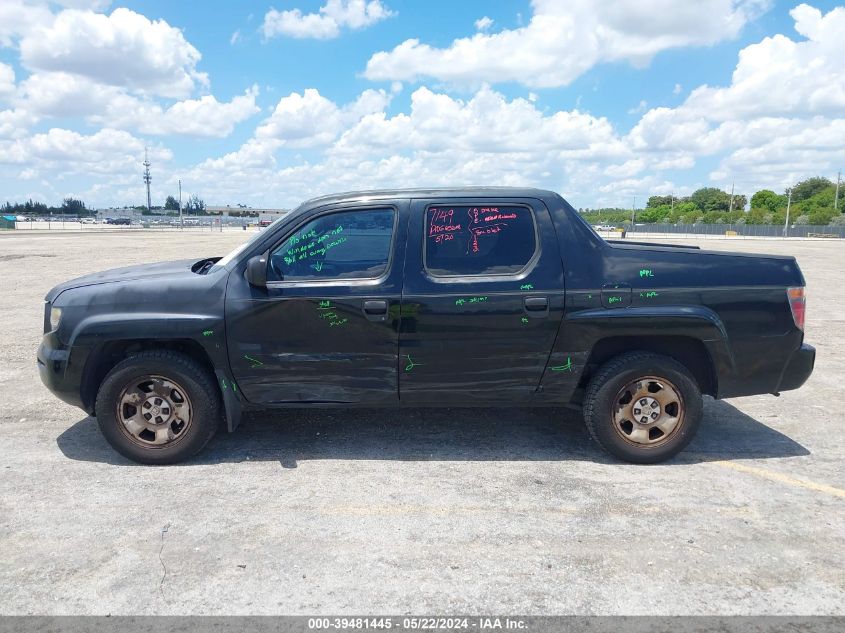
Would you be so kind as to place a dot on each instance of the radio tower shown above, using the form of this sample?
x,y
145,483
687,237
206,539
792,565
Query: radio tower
x,y
147,180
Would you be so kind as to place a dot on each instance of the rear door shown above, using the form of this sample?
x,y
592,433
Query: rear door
x,y
325,330
482,301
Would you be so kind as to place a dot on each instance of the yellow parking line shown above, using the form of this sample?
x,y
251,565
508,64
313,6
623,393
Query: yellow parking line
x,y
784,479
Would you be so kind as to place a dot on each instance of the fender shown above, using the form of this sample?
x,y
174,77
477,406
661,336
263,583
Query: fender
x,y
94,333
580,331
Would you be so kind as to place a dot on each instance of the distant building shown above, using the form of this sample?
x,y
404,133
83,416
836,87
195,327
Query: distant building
x,y
247,211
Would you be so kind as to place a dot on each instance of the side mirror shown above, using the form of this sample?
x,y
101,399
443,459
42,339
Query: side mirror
x,y
256,271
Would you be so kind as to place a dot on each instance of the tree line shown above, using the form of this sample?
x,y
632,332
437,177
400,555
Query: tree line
x,y
76,208
813,202
70,206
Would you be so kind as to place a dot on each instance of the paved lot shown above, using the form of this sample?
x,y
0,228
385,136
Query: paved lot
x,y
413,511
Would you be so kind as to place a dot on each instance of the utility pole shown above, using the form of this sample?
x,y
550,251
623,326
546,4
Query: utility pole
x,y
788,205
181,221
633,210
731,207
147,180
836,198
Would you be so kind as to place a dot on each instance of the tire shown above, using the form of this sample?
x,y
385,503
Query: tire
x,y
158,407
620,409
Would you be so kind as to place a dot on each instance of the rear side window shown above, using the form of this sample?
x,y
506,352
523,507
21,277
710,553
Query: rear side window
x,y
470,240
343,245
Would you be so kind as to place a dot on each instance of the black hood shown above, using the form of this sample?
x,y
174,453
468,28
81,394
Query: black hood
x,y
128,273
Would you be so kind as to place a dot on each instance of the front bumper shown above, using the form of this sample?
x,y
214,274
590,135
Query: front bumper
x,y
798,369
54,369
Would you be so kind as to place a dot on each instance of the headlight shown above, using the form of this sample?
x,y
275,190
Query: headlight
x,y
55,317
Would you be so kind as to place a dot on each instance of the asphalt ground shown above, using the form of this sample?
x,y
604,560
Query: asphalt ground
x,y
415,511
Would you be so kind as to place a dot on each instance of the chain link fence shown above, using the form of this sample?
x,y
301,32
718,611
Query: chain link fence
x,y
735,230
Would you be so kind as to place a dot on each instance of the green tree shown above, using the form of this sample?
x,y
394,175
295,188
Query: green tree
x,y
810,187
711,199
658,201
767,200
658,213
195,205
739,202
171,204
72,206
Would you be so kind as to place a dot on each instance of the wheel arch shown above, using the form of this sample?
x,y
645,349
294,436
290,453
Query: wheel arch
x,y
105,355
689,351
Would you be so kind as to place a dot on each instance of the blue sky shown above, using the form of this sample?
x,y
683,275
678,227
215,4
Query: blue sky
x,y
270,103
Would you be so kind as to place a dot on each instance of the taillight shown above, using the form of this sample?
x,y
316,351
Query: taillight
x,y
798,303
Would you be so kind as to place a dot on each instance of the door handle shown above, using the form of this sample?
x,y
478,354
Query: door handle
x,y
375,309
536,306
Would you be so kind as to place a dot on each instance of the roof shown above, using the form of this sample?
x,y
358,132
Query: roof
x,y
440,192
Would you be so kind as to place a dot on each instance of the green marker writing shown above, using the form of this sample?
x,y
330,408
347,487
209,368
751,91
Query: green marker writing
x,y
255,362
565,367
411,364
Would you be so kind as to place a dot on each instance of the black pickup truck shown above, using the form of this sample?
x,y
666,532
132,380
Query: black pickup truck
x,y
474,297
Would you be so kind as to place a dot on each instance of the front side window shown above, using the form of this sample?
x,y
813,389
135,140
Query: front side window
x,y
470,240
343,245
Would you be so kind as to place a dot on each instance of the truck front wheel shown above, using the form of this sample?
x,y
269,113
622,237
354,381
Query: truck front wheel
x,y
642,407
158,407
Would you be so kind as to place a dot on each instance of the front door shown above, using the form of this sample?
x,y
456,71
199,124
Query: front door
x,y
482,302
325,330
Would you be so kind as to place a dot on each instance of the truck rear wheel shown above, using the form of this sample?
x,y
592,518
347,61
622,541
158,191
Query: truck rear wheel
x,y
643,408
158,407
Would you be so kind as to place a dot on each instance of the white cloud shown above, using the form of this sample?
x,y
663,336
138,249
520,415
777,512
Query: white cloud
x,y
15,123
205,116
441,140
328,22
57,94
779,119
7,80
776,77
65,95
677,89
564,40
484,23
235,38
486,123
106,152
310,120
123,49
19,16
626,169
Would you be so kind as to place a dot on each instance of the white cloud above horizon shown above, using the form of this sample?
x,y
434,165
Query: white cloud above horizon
x,y
778,118
328,22
564,40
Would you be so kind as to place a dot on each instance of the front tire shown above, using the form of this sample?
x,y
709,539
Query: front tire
x,y
643,408
158,407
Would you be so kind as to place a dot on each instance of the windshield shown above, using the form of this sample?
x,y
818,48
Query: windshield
x,y
234,253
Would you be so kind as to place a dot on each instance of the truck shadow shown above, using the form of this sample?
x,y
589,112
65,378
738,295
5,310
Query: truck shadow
x,y
289,436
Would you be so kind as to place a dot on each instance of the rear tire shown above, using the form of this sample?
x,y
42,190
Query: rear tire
x,y
158,407
643,408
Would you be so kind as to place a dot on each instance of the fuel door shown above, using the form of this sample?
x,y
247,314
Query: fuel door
x,y
616,295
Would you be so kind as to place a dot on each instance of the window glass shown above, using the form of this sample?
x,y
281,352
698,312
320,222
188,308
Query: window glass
x,y
469,240
344,245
